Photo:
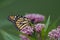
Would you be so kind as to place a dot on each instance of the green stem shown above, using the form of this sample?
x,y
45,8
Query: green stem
x,y
39,36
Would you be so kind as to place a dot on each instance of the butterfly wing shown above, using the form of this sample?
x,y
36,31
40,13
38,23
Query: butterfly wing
x,y
20,22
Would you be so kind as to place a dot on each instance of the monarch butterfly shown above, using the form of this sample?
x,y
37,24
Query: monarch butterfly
x,y
20,22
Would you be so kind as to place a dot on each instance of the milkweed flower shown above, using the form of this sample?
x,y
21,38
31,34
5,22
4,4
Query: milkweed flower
x,y
39,27
59,30
23,37
27,30
35,17
55,33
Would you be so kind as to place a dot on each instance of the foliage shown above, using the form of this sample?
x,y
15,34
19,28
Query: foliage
x,y
8,32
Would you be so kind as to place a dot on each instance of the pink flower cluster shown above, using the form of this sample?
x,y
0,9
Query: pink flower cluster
x,y
35,17
39,27
55,33
23,37
28,30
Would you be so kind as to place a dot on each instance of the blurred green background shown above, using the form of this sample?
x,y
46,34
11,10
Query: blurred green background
x,y
14,7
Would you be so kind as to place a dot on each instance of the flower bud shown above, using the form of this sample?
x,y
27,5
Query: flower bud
x,y
39,27
27,30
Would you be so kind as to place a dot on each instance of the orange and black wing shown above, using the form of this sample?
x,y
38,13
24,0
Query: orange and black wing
x,y
20,22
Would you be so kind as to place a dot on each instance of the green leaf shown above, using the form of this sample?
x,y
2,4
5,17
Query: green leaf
x,y
7,36
47,23
53,24
43,32
58,38
33,36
